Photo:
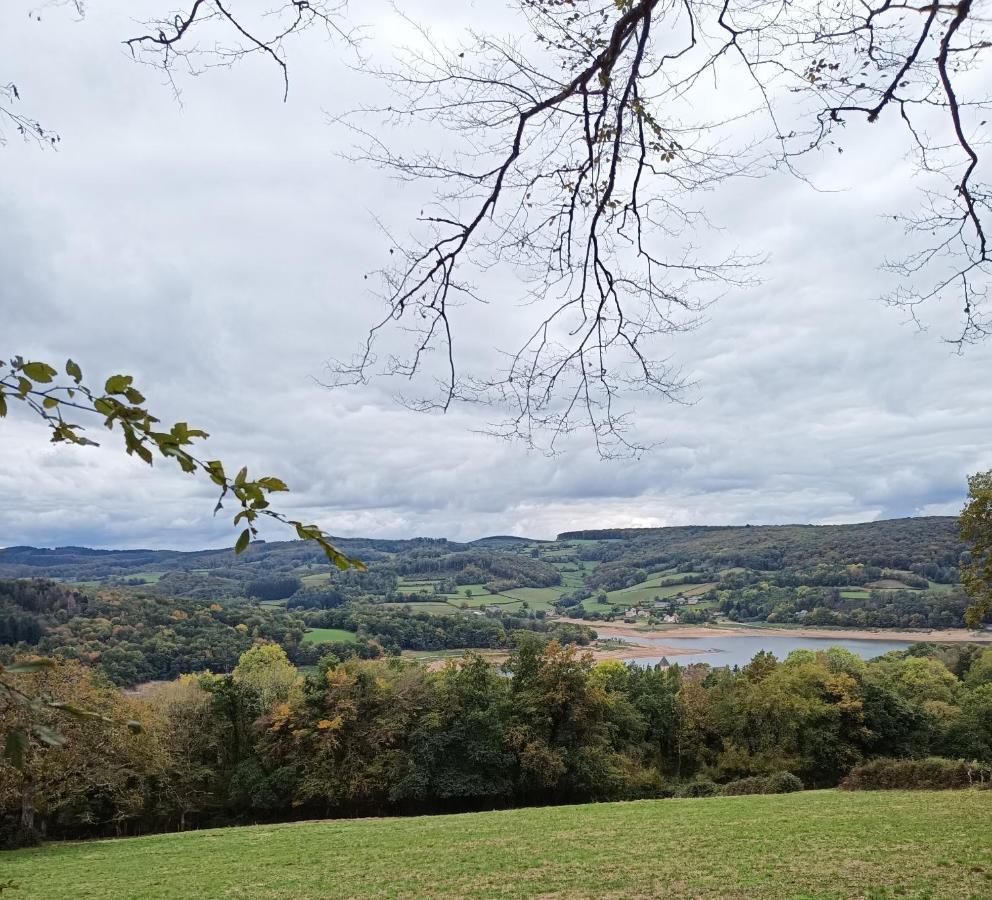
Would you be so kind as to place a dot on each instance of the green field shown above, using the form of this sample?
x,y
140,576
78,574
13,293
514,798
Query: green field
x,y
536,597
320,635
594,606
438,608
824,844
645,592
315,579
413,587
147,577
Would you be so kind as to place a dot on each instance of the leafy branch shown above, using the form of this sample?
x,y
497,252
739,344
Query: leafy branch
x,y
39,387
59,401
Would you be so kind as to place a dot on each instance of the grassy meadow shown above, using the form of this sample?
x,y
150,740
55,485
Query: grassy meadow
x,y
825,844
322,635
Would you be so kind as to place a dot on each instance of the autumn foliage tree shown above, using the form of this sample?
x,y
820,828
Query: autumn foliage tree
x,y
976,530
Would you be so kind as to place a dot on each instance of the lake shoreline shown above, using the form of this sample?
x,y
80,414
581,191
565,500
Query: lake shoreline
x,y
931,636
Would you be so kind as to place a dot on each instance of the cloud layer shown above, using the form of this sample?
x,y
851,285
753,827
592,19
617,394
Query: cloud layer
x,y
216,249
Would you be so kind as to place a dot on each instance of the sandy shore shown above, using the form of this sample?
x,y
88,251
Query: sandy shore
x,y
950,635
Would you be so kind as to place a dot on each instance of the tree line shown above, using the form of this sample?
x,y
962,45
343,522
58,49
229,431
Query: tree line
x,y
361,737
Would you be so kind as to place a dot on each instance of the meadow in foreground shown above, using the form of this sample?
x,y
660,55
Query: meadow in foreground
x,y
823,844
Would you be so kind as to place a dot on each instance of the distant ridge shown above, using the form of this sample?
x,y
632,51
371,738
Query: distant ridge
x,y
504,540
606,534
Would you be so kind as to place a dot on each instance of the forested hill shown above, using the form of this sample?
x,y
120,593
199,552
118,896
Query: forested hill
x,y
892,543
907,544
895,573
81,563
147,614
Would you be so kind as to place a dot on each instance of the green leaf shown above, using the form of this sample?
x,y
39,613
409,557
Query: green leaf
x,y
118,384
14,748
39,371
3,405
26,666
241,476
73,371
134,396
273,484
50,402
242,543
216,470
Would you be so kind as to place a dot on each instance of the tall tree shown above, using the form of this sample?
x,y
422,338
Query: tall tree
x,y
976,531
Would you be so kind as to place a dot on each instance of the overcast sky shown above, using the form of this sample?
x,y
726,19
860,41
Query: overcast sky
x,y
216,248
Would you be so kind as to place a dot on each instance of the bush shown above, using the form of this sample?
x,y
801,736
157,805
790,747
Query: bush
x,y
934,773
776,783
784,783
701,788
13,837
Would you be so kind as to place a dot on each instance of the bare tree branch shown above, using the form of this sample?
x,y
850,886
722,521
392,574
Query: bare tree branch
x,y
573,156
183,39
580,151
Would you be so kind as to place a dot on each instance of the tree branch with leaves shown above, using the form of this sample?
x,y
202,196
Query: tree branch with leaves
x,y
60,400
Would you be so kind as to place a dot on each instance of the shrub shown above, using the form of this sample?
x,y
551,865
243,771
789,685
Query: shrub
x,y
776,783
701,788
784,783
933,773
13,837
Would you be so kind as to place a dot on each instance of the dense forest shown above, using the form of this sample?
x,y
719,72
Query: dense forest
x,y
271,686
134,638
359,737
146,615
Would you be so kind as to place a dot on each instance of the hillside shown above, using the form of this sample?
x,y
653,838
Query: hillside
x,y
825,844
901,573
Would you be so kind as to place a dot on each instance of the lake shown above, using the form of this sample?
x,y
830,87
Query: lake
x,y
738,650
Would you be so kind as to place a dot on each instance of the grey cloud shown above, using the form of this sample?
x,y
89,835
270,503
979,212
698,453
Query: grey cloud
x,y
217,251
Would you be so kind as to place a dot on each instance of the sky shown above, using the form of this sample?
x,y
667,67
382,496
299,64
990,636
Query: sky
x,y
215,246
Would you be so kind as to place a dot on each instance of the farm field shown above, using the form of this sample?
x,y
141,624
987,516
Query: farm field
x,y
315,579
510,601
428,606
320,635
823,844
640,593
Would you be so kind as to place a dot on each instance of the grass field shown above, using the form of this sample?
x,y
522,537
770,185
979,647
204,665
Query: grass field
x,y
320,635
639,593
315,579
147,577
937,586
824,844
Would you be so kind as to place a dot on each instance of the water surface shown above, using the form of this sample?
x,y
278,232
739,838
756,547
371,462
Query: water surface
x,y
739,650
